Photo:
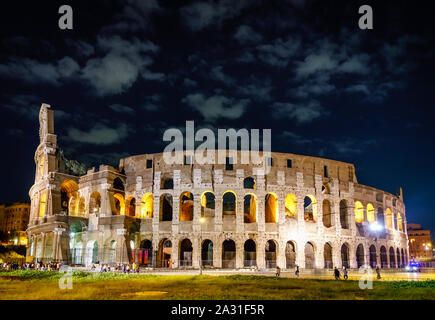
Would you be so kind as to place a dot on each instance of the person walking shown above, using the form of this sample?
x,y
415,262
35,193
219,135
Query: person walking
x,y
345,277
336,273
378,273
278,271
297,271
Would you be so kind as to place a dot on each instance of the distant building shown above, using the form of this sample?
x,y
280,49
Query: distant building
x,y
14,220
420,243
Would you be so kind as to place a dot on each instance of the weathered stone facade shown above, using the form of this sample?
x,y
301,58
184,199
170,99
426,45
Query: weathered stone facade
x,y
305,211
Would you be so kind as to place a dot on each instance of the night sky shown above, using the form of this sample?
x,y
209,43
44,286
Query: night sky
x,y
131,69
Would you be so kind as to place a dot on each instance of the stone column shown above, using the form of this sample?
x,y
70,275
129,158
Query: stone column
x,y
240,213
217,253
352,256
175,254
280,258
261,255
239,255
44,238
175,213
218,212
196,254
106,209
300,254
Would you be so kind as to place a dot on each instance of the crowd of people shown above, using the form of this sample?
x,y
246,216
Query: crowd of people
x,y
125,268
51,266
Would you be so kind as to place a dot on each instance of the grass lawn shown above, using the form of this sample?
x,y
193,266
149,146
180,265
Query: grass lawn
x,y
37,285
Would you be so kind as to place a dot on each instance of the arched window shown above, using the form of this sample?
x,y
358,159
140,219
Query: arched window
x,y
327,255
327,215
399,221
186,206
167,183
345,255
250,208
359,212
95,203
119,204
360,255
392,258
229,203
249,183
68,189
165,207
146,206
309,256
131,207
271,207
373,259
325,189
228,254
250,253
42,205
207,253
389,216
186,253
370,213
118,184
291,203
81,207
270,254
310,208
343,215
207,204
290,254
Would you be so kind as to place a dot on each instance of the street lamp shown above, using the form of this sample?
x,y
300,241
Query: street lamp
x,y
201,220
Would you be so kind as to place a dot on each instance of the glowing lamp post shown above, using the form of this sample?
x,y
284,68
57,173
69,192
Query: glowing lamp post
x,y
201,220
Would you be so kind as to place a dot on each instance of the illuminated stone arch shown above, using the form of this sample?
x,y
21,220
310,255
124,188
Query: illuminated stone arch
x,y
250,208
130,206
389,219
95,203
119,204
271,208
208,203
43,205
73,206
359,212
392,255
370,213
310,208
229,203
68,189
291,205
186,206
228,254
81,209
146,206
399,222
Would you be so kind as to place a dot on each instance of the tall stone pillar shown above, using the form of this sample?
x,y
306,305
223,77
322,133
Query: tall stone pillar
x,y
239,255
240,213
44,240
196,253
106,208
218,213
280,257
261,255
175,254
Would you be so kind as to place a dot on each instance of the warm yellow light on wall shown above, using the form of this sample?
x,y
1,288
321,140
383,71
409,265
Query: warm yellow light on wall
x,y
290,205
359,212
146,206
370,213
42,205
121,209
389,219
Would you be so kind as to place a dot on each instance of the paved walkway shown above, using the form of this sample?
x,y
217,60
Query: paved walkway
x,y
386,275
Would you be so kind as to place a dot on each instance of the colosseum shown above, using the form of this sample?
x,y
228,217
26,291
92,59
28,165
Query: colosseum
x,y
306,211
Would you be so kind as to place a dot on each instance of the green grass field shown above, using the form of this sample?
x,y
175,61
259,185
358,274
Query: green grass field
x,y
36,285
